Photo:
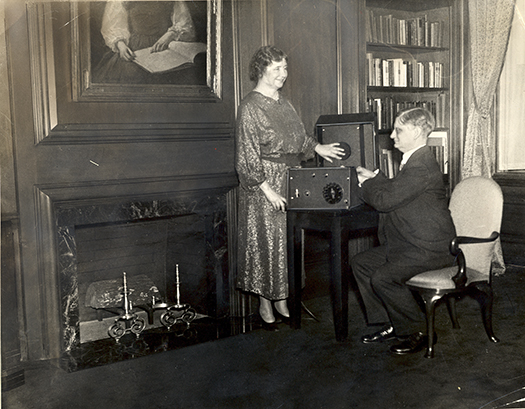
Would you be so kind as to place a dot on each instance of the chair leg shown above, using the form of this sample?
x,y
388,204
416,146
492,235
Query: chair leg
x,y
451,307
430,308
484,296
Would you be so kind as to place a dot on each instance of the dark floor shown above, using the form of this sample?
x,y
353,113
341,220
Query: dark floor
x,y
307,368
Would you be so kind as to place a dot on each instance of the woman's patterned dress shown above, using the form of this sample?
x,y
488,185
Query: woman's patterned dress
x,y
270,138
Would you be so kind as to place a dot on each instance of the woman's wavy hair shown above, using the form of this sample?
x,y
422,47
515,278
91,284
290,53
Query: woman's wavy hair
x,y
419,117
264,57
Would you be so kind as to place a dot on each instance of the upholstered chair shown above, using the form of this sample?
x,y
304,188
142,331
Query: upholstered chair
x,y
476,205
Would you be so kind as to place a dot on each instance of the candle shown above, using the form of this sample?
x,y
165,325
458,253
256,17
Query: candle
x,y
178,283
125,293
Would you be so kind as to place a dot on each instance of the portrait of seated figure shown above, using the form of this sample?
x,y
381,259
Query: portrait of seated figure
x,y
149,42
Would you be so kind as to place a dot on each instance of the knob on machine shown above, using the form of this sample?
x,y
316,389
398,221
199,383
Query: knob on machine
x,y
347,150
333,193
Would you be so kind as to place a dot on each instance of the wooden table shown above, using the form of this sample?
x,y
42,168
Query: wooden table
x,y
342,225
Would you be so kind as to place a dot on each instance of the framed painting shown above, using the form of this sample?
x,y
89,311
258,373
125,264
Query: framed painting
x,y
111,71
152,51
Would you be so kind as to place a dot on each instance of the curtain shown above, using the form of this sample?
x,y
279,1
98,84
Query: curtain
x,y
489,29
511,98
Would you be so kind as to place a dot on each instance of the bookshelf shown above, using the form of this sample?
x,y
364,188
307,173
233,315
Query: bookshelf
x,y
408,64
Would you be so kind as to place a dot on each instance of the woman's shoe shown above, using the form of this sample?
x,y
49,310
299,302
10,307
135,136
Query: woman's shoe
x,y
282,318
282,308
266,311
270,326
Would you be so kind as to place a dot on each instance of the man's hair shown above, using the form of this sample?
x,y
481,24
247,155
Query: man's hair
x,y
419,117
262,58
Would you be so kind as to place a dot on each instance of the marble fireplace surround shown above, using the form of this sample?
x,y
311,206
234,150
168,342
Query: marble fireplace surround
x,y
62,208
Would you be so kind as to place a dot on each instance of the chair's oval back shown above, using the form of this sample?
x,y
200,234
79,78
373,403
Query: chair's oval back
x,y
476,206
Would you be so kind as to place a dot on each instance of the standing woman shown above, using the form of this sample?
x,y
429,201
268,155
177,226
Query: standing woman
x,y
270,139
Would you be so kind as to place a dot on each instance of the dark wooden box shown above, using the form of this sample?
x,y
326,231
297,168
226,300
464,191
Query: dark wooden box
x,y
322,188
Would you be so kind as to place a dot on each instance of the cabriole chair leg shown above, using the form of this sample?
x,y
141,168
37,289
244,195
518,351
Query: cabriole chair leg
x,y
451,307
430,308
484,296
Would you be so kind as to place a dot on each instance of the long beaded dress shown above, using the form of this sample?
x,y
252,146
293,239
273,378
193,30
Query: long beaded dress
x,y
270,138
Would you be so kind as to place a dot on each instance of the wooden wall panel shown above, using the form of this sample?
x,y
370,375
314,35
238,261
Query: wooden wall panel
x,y
12,369
250,31
513,223
103,146
306,31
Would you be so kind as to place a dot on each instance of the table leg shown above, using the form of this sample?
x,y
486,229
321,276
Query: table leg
x,y
339,278
294,271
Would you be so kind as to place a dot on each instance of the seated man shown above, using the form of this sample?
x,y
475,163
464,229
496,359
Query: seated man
x,y
415,230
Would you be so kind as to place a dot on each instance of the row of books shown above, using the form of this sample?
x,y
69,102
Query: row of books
x,y
418,31
388,163
386,109
389,160
397,72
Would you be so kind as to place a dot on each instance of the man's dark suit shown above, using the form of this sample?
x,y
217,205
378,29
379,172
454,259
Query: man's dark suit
x,y
415,230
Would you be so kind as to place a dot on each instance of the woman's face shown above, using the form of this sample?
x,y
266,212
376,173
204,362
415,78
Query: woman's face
x,y
275,75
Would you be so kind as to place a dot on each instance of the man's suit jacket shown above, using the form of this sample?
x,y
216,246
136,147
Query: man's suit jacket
x,y
415,222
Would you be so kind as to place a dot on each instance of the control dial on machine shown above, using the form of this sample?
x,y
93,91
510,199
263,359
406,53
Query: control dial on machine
x,y
347,150
333,193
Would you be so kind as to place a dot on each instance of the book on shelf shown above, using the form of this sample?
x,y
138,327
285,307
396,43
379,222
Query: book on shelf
x,y
387,164
369,79
438,143
399,72
390,163
436,33
387,108
376,105
420,75
417,31
404,34
431,74
396,72
441,112
178,55
385,75
378,71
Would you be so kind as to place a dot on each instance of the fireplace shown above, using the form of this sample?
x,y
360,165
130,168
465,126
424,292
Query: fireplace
x,y
151,249
98,238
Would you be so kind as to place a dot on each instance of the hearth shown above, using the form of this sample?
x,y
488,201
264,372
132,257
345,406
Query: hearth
x,y
98,239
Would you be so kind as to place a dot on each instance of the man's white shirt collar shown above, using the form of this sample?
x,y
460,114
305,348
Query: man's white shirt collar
x,y
408,154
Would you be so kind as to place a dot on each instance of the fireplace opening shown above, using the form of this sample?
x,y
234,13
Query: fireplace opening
x,y
151,248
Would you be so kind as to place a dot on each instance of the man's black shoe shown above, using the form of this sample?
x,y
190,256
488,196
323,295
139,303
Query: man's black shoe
x,y
414,343
384,334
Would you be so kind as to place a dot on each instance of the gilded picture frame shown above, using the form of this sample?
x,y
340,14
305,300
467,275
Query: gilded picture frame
x,y
200,82
60,40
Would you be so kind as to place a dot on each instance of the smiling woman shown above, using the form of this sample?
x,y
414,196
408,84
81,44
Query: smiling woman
x,y
270,139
